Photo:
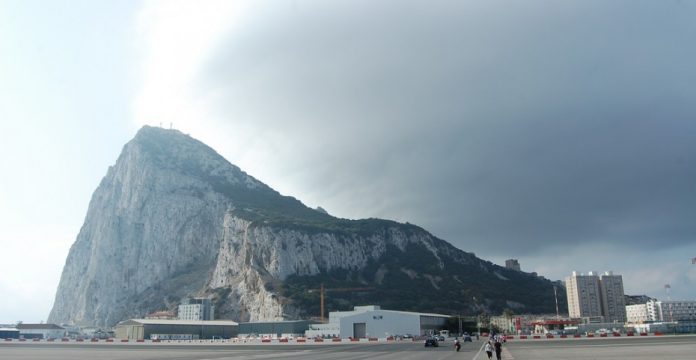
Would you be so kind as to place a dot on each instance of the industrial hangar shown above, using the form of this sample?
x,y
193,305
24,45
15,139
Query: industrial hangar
x,y
371,321
361,322
140,329
274,329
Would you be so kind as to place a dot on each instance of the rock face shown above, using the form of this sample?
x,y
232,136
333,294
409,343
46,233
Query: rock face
x,y
172,218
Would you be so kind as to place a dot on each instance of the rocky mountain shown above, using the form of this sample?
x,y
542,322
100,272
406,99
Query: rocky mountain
x,y
172,218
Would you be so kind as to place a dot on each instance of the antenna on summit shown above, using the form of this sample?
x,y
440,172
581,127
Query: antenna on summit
x,y
171,125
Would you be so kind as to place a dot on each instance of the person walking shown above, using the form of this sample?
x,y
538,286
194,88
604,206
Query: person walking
x,y
498,349
489,350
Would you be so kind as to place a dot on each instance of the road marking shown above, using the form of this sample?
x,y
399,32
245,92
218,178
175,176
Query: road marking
x,y
479,352
507,355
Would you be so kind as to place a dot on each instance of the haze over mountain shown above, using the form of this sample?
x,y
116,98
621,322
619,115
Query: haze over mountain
x,y
172,218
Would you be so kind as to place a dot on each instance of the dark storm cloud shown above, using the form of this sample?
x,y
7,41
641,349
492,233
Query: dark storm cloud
x,y
523,124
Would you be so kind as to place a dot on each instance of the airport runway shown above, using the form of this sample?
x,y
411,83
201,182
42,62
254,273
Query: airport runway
x,y
637,348
667,347
381,351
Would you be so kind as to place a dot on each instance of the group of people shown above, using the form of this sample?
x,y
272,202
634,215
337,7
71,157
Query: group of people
x,y
497,346
493,344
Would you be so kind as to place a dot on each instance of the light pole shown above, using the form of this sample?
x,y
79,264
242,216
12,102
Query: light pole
x,y
478,317
478,324
460,324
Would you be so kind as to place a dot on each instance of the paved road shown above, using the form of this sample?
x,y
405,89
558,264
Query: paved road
x,y
662,347
379,351
667,347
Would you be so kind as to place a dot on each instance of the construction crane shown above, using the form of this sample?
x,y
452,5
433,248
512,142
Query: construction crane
x,y
323,290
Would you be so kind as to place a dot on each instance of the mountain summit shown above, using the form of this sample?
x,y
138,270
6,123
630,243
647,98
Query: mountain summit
x,y
172,219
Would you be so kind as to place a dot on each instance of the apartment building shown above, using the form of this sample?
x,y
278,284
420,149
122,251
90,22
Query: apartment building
x,y
593,296
584,298
613,300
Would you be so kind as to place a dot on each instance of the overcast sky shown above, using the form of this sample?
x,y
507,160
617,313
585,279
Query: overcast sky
x,y
562,134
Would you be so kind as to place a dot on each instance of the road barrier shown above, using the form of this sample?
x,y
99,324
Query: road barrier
x,y
578,336
329,341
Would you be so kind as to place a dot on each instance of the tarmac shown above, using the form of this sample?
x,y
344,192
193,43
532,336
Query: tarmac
x,y
662,347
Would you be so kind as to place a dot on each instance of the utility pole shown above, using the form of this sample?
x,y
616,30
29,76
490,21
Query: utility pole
x,y
321,297
478,317
460,324
668,287
555,296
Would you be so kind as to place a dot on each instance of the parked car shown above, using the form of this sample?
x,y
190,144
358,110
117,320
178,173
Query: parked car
x,y
431,341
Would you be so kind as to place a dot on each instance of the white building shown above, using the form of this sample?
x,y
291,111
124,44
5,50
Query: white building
x,y
636,314
653,310
371,321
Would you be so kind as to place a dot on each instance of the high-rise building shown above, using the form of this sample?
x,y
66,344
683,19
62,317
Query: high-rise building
x,y
583,295
512,264
613,300
592,296
197,309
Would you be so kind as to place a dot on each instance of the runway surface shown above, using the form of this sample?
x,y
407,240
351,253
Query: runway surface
x,y
667,347
659,347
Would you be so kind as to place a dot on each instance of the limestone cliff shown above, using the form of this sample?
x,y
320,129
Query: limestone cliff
x,y
172,218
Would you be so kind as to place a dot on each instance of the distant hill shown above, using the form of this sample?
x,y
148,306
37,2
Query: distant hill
x,y
172,218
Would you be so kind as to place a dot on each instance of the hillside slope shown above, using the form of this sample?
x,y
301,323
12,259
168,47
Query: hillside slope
x,y
172,218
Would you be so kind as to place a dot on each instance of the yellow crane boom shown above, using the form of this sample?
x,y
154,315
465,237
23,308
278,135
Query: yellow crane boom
x,y
323,290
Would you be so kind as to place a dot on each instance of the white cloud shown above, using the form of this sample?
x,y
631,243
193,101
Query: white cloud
x,y
36,257
446,117
177,36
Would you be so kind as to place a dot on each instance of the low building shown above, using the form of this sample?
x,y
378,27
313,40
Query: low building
x,y
140,329
40,331
546,326
9,333
674,310
662,311
162,315
275,329
636,314
371,321
513,264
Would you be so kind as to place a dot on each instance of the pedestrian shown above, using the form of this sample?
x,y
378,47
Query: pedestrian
x,y
489,350
498,349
